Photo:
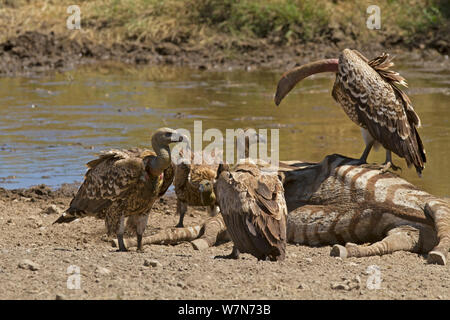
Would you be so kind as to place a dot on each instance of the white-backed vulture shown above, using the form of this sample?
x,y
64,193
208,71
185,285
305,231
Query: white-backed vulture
x,y
193,186
253,207
369,94
124,183
194,182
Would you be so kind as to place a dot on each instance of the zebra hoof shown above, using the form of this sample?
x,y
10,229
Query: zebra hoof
x,y
339,251
437,258
200,244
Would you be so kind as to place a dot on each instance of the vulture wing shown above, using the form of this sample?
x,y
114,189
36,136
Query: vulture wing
x,y
108,179
255,212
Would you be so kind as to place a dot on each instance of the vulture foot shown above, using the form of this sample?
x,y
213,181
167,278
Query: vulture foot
x,y
121,244
233,255
389,165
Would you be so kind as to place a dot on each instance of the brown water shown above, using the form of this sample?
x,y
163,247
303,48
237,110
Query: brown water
x,y
52,125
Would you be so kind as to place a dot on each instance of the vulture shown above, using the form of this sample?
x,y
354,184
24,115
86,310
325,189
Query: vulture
x,y
368,92
193,187
254,210
194,182
121,183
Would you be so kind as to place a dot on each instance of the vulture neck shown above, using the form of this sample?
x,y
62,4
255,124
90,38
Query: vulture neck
x,y
292,77
162,159
207,197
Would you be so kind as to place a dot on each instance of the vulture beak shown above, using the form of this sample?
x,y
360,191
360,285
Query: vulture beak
x,y
292,77
177,137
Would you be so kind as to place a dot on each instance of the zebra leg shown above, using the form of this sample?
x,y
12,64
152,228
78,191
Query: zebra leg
x,y
403,238
439,211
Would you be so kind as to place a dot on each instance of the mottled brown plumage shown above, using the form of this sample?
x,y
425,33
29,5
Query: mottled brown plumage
x,y
252,204
124,183
193,182
190,183
369,94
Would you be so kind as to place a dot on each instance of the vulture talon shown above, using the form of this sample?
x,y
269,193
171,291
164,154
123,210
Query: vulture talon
x,y
389,165
228,256
233,255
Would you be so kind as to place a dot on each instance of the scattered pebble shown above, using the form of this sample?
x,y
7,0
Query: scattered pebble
x,y
101,270
302,286
347,284
60,296
52,209
152,263
35,222
340,286
28,265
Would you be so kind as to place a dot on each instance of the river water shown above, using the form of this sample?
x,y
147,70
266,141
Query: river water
x,y
50,126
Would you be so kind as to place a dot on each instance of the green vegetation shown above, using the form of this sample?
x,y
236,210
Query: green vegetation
x,y
226,23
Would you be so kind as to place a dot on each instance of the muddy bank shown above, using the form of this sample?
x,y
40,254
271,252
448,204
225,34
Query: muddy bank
x,y
36,257
35,52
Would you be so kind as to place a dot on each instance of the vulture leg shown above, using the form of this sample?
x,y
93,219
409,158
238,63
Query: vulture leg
x,y
233,255
181,210
120,231
366,152
140,229
369,141
388,164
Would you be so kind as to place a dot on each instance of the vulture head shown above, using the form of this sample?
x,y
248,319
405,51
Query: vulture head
x,y
161,140
166,136
206,188
292,77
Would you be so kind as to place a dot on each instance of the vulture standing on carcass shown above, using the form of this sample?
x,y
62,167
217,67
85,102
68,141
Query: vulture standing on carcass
x,y
368,93
124,183
254,210
194,182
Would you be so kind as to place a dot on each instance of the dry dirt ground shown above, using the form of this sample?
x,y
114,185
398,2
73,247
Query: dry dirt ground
x,y
26,232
